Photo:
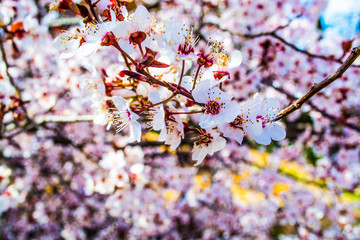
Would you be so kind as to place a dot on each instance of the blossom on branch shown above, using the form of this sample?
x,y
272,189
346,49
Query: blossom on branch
x,y
123,116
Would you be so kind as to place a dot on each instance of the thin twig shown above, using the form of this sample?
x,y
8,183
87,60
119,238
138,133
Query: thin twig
x,y
91,6
318,87
63,119
314,107
11,80
281,39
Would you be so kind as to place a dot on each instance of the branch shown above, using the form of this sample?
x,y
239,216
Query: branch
x,y
314,107
276,36
306,52
11,80
63,119
318,87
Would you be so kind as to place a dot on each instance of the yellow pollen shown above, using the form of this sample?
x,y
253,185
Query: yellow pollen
x,y
223,60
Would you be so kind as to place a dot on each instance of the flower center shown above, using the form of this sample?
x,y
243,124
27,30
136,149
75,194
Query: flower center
x,y
212,107
238,122
223,60
263,120
137,37
205,138
186,49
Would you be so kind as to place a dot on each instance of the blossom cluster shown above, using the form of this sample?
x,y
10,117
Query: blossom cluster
x,y
155,82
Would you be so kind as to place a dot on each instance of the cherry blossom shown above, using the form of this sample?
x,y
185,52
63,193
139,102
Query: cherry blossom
x,y
123,116
218,107
209,141
270,130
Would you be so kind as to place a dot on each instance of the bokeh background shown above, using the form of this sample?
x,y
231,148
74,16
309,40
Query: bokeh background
x,y
65,176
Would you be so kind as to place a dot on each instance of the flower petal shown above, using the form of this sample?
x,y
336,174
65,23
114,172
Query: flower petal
x,y
235,59
120,102
135,132
263,139
217,144
276,131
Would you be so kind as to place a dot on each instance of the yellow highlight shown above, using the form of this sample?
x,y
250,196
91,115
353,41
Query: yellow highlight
x,y
48,190
259,158
280,188
241,176
245,195
203,180
223,60
151,136
294,169
171,195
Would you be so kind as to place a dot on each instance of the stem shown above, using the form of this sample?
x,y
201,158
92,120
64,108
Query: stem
x,y
126,61
4,58
153,80
77,13
116,45
164,101
141,50
182,73
92,9
318,87
173,113
196,75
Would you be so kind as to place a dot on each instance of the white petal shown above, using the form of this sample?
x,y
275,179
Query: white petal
x,y
207,121
163,135
235,59
276,131
200,93
230,112
120,103
187,82
121,29
253,128
199,155
143,89
159,119
154,97
217,144
175,143
263,139
218,93
137,168
135,132
142,19
88,48
233,133
271,105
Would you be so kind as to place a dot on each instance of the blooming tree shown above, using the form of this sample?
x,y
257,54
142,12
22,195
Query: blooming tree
x,y
166,119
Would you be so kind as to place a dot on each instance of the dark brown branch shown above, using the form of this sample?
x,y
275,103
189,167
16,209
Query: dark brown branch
x,y
318,87
292,46
91,6
314,107
11,80
281,39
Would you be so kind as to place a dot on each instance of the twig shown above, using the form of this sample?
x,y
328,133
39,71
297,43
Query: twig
x,y
11,80
314,107
63,119
91,6
318,87
281,39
